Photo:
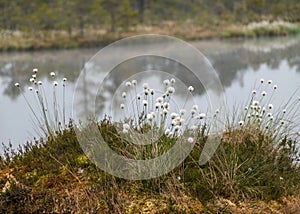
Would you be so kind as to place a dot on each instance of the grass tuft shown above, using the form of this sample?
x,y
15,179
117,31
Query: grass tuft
x,y
254,166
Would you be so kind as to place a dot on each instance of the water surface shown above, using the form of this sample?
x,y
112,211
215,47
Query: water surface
x,y
239,64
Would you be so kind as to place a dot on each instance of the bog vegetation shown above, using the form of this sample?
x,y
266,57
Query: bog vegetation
x,y
257,161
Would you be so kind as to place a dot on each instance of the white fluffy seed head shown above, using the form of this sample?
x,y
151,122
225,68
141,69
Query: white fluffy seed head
x,y
55,83
52,74
134,82
30,88
146,91
173,115
31,80
173,122
193,111
150,117
254,92
241,123
177,127
171,90
262,80
128,84
35,70
124,94
145,102
138,96
270,106
157,105
191,88
126,126
122,106
202,116
40,82
166,82
145,85
159,99
284,111
255,103
166,105
181,121
190,140
165,111
270,82
65,79
264,93
167,132
182,111
152,91
275,87
17,84
172,80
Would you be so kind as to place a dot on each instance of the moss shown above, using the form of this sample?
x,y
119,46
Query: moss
x,y
56,176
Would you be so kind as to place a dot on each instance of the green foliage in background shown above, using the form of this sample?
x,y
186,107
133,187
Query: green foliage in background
x,y
112,15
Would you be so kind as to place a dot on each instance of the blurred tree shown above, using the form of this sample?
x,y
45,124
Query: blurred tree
x,y
11,14
35,15
46,15
66,16
111,7
141,5
256,6
126,15
82,10
240,11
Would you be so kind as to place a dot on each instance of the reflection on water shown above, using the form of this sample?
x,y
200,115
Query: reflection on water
x,y
239,63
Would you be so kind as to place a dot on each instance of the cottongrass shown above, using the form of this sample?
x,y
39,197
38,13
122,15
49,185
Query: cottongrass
x,y
267,24
275,121
156,112
47,121
259,155
255,160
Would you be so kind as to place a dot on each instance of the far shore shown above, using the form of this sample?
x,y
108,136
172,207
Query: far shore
x,y
41,40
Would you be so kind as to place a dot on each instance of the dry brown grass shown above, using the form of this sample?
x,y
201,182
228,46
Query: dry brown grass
x,y
97,37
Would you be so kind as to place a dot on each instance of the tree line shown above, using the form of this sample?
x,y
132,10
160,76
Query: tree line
x,y
36,15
